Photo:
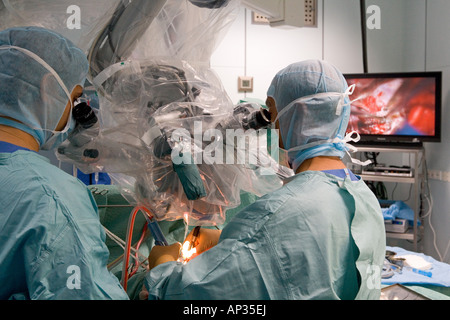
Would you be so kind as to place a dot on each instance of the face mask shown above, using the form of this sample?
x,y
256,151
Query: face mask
x,y
281,156
56,137
59,137
284,158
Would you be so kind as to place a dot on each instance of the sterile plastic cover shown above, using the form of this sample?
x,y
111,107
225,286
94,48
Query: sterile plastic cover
x,y
152,92
156,102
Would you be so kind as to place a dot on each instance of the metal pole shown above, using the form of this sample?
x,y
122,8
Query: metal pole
x,y
364,34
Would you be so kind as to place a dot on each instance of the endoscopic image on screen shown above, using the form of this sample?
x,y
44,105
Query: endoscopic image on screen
x,y
393,106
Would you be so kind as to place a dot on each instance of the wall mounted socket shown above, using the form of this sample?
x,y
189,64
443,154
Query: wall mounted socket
x,y
259,18
434,174
446,176
439,175
245,84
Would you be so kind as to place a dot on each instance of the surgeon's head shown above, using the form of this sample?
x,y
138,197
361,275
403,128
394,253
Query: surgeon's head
x,y
41,74
305,101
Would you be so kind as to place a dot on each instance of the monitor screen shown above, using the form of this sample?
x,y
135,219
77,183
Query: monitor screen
x,y
396,107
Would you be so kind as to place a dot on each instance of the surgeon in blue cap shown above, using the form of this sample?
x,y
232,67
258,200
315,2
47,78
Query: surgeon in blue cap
x,y
320,236
51,241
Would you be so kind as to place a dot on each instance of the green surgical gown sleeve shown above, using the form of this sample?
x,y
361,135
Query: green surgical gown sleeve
x,y
52,245
295,243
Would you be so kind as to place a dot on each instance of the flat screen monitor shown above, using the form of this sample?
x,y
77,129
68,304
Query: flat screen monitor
x,y
396,108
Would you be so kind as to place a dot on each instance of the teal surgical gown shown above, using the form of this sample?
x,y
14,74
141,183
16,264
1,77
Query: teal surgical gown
x,y
52,245
317,237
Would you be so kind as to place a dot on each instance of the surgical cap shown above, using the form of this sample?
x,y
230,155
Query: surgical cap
x,y
317,110
29,93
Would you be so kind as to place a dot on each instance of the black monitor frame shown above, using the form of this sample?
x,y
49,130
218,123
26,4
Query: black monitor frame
x,y
413,140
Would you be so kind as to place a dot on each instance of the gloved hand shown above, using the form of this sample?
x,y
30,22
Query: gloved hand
x,y
157,256
206,239
162,254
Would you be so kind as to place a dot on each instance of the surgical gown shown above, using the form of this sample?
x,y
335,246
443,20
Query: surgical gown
x,y
317,237
51,241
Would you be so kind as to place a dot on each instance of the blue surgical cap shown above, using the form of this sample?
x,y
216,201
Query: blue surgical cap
x,y
313,93
29,93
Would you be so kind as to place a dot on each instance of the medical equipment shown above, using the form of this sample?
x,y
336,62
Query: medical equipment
x,y
186,252
396,225
257,120
424,273
149,65
86,129
397,109
154,228
157,234
87,126
119,38
210,3
390,268
439,280
195,234
251,116
128,23
178,106
412,263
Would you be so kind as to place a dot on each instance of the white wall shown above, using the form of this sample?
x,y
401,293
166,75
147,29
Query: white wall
x,y
400,43
413,37
342,41
438,59
261,51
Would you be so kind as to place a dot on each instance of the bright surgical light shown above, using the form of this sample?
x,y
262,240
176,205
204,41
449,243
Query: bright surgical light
x,y
186,253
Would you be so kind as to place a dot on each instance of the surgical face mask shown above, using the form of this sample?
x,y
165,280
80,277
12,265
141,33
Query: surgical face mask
x,y
283,158
314,125
52,138
59,137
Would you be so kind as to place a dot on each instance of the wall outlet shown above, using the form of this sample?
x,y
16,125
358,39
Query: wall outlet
x,y
259,18
434,174
245,84
446,176
439,175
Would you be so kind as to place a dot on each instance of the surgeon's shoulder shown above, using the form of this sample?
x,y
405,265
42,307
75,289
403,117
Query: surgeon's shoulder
x,y
55,182
266,205
304,182
47,171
